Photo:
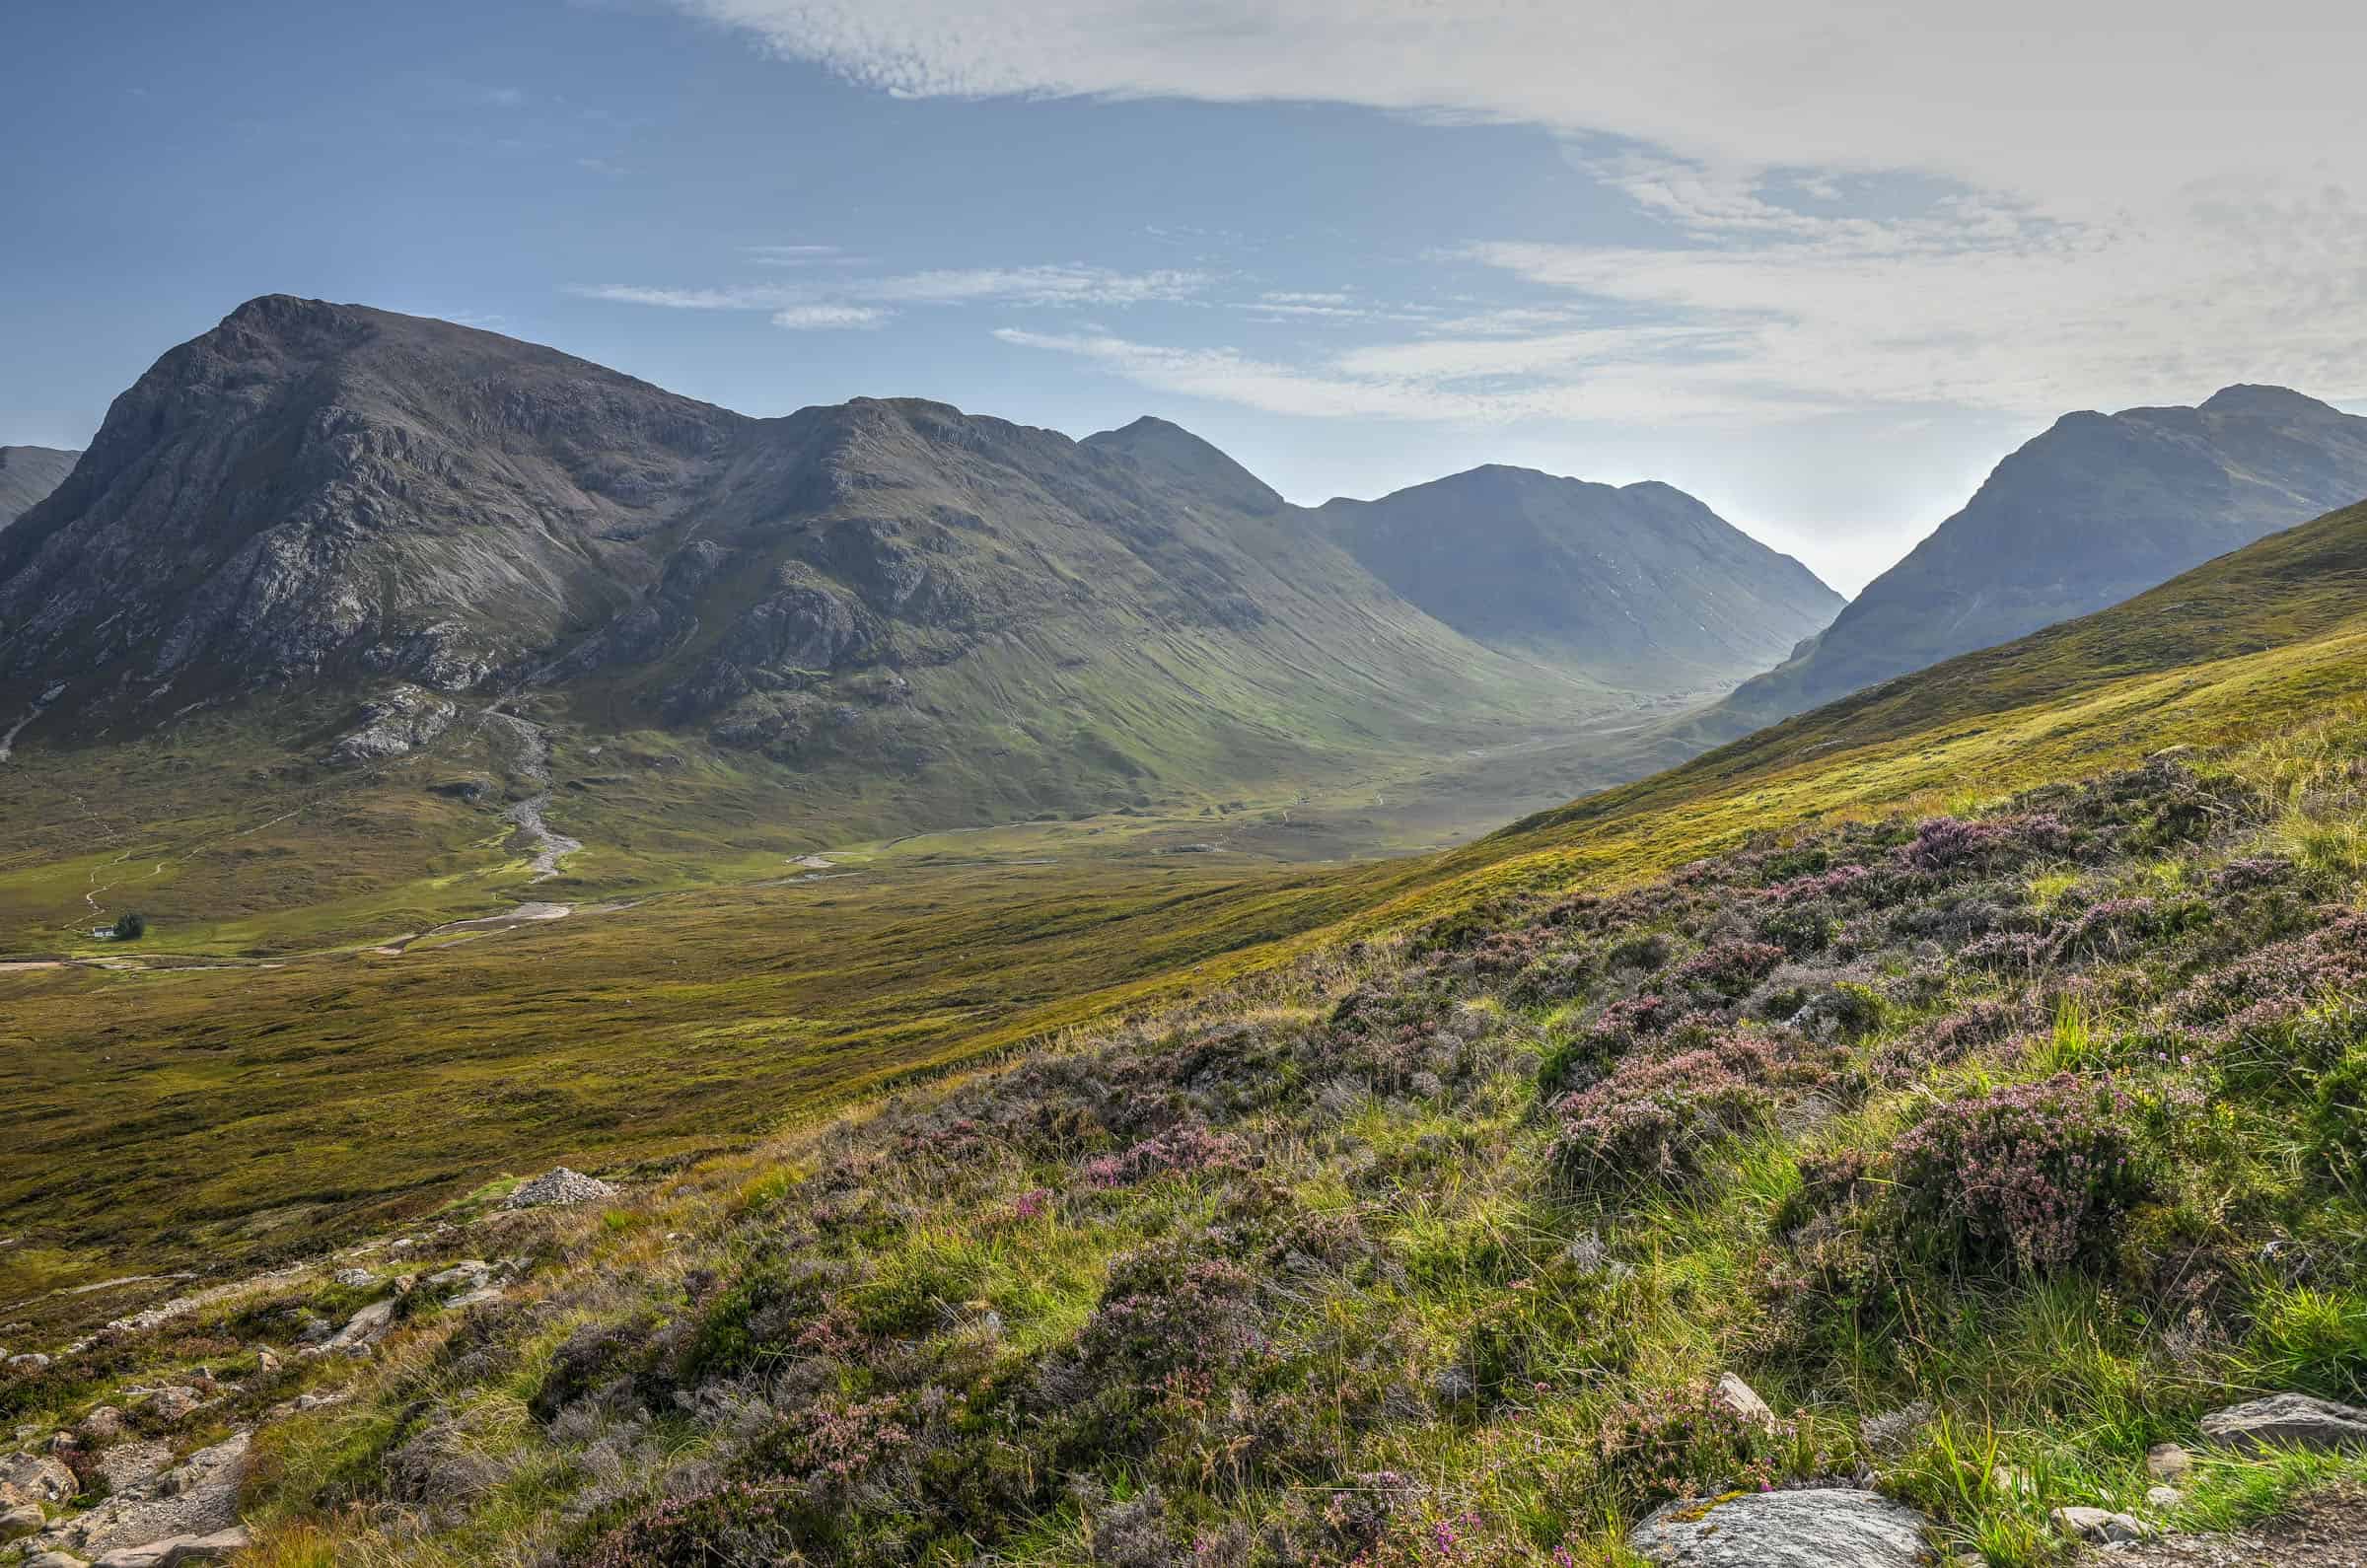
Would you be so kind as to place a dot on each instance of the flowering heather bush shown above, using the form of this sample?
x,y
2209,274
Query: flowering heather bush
x,y
1991,844
1690,1442
1178,1151
2252,872
2006,952
1167,1311
2277,982
1838,883
1659,1116
1945,1041
1730,968
2032,1177
739,1522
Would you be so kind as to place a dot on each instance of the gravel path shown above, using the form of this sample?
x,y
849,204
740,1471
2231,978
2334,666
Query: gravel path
x,y
2326,1531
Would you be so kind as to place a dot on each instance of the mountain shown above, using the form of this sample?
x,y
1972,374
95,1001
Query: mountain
x,y
1638,581
2098,508
373,507
27,475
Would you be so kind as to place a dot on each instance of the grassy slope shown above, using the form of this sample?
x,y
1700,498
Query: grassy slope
x,y
790,1003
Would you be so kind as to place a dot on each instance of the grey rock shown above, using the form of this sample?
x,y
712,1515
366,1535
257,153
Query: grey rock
x,y
103,1424
35,1479
53,1559
1822,1528
130,1464
2287,1420
353,1278
395,724
198,1499
471,1273
29,1361
558,1186
2164,1498
27,476
1742,1400
2167,1462
363,1328
2099,1527
217,1546
21,1519
171,1403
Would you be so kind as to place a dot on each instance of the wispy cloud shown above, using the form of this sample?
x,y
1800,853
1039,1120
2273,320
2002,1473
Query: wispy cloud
x,y
868,301
826,318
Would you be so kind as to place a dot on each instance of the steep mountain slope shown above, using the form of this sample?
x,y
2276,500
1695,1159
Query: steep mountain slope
x,y
27,475
2098,508
1635,583
989,620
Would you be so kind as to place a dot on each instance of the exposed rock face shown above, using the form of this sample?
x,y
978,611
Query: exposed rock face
x,y
2097,509
35,1479
393,725
2287,1420
559,1186
1816,1528
192,1502
1627,580
28,474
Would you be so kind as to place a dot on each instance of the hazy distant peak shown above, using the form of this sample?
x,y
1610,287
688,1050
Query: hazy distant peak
x,y
1173,453
2272,402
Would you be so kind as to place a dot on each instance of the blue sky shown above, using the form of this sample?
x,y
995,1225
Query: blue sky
x,y
1820,277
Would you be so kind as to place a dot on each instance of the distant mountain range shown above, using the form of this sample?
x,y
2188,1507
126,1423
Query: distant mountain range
x,y
2100,508
320,497
1639,584
28,474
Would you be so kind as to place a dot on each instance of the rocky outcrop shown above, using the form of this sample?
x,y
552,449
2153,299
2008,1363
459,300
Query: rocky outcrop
x,y
1822,1528
181,1508
395,724
2287,1420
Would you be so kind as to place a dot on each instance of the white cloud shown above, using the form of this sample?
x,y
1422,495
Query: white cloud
x,y
2019,206
792,256
860,301
828,317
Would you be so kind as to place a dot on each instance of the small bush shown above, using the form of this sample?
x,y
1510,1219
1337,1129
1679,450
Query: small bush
x,y
2029,1177
129,927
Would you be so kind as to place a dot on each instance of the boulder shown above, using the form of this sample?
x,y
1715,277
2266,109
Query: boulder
x,y
103,1425
364,1327
2167,1462
218,1546
171,1403
2164,1498
1744,1401
556,1187
353,1278
1821,1527
2098,1526
29,1361
471,1274
35,1479
196,1502
53,1559
21,1519
2287,1420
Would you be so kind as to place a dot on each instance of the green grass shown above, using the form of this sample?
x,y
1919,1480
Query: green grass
x,y
225,1115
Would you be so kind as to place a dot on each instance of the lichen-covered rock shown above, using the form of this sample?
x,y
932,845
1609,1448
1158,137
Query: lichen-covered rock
x,y
1820,1528
2099,1527
393,724
2287,1420
35,1479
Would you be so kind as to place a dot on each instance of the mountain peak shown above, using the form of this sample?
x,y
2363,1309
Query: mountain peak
x,y
1173,453
2253,398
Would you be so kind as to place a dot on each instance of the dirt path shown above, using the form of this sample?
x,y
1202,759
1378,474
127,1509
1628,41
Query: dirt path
x,y
2328,1530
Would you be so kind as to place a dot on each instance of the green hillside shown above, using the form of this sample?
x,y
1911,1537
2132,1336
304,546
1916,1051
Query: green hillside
x,y
1972,1070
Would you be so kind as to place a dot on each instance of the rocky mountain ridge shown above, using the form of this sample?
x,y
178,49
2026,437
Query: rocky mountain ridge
x,y
2097,509
28,474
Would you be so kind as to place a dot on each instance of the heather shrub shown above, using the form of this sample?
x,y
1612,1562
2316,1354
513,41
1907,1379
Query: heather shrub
x,y
1729,968
1179,1151
1686,1441
1991,844
2006,952
2029,1177
740,1522
1946,1041
1658,1117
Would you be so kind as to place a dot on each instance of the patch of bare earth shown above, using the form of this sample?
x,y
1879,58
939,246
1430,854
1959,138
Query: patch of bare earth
x,y
2326,1530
